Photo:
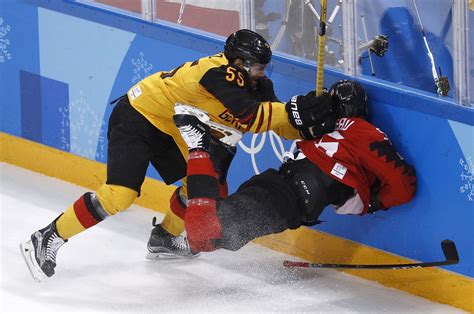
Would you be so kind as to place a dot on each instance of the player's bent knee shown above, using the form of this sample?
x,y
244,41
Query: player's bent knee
x,y
115,198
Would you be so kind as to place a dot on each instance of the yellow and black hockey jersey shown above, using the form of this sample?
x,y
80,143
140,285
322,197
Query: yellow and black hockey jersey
x,y
213,85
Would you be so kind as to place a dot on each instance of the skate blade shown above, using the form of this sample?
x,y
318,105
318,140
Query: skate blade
x,y
191,110
28,252
225,134
168,256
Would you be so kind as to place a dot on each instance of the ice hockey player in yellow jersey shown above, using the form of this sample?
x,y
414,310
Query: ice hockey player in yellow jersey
x,y
231,87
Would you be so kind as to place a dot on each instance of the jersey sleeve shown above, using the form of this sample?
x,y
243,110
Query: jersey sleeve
x,y
397,177
230,86
272,116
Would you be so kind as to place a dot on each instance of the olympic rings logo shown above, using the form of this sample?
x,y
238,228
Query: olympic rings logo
x,y
256,145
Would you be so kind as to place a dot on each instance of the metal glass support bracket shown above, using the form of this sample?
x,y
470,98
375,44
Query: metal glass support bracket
x,y
461,53
349,37
247,14
148,9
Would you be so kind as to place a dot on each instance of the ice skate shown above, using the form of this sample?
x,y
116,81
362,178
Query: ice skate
x,y
163,244
223,133
193,124
40,251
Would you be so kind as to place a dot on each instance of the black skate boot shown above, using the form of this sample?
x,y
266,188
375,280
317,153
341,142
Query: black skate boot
x,y
163,244
193,124
40,252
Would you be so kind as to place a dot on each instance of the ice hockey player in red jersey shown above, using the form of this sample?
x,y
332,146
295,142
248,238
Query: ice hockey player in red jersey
x,y
355,169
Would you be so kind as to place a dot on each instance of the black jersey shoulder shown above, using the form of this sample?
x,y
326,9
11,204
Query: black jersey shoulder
x,y
230,85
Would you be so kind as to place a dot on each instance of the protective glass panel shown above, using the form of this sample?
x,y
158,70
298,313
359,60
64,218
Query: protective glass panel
x,y
420,36
292,27
470,46
406,42
214,16
127,6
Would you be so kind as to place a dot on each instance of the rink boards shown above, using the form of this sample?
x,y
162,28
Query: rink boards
x,y
68,61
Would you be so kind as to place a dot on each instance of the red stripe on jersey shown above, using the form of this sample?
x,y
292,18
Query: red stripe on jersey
x,y
269,124
82,213
260,120
241,115
246,119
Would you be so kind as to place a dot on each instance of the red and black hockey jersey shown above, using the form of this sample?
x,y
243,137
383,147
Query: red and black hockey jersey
x,y
356,154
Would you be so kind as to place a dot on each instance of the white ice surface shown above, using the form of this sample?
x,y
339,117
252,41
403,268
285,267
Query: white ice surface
x,y
104,269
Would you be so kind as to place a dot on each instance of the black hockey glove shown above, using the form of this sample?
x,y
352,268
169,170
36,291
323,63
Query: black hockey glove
x,y
321,129
265,89
312,115
375,205
375,202
380,45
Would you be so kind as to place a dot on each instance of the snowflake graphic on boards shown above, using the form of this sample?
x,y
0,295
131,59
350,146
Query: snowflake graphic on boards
x,y
65,127
87,124
467,186
5,55
141,69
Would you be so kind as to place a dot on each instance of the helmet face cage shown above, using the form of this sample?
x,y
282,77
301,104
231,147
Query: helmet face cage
x,y
350,99
248,46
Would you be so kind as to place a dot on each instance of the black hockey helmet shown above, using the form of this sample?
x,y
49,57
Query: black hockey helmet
x,y
249,46
350,99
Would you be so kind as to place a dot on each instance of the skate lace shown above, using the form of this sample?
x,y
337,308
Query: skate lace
x,y
54,243
191,135
181,243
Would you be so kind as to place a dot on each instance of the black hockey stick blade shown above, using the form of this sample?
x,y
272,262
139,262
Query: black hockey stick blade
x,y
450,251
448,247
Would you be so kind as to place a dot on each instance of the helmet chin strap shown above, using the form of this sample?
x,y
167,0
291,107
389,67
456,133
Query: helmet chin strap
x,y
247,65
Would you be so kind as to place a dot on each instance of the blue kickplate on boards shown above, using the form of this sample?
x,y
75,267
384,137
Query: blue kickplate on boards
x,y
45,110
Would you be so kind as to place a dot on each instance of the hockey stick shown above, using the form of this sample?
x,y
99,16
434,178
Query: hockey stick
x,y
181,11
448,247
441,82
372,71
321,49
333,14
